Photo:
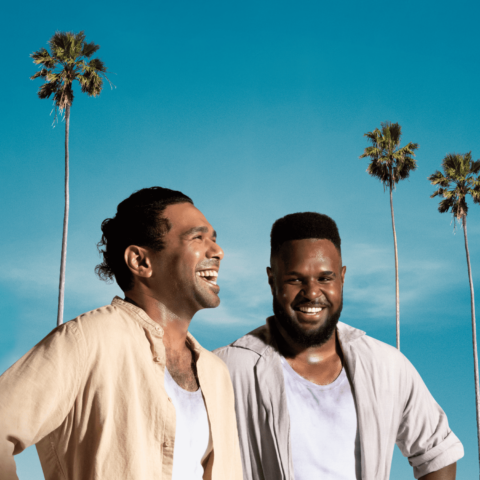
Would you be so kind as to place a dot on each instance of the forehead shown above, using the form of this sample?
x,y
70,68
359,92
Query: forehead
x,y
306,253
184,216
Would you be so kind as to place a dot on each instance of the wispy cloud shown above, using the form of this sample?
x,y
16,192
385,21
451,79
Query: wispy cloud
x,y
370,281
246,298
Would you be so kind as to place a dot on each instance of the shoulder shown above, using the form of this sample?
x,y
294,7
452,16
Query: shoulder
x,y
245,352
369,348
213,361
378,361
109,318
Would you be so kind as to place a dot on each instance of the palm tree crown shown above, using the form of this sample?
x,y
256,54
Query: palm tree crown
x,y
69,60
456,183
390,162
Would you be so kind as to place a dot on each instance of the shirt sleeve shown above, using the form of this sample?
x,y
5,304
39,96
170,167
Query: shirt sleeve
x,y
38,391
424,436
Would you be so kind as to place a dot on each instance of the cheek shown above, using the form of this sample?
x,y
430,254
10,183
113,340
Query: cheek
x,y
287,294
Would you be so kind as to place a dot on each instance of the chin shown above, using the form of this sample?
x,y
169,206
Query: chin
x,y
207,300
307,337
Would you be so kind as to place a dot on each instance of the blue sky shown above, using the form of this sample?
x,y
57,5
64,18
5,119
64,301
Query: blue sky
x,y
255,110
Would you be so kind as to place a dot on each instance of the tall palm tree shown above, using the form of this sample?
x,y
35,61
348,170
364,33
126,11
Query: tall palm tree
x,y
455,184
67,61
390,163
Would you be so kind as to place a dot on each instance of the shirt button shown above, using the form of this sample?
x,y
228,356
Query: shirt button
x,y
159,329
156,359
167,443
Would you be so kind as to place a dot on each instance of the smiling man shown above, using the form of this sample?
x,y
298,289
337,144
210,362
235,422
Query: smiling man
x,y
318,399
125,391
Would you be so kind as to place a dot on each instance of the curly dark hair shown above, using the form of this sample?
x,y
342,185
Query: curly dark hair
x,y
299,226
138,221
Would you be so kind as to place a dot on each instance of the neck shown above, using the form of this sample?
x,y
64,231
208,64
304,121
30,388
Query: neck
x,y
311,355
175,328
320,364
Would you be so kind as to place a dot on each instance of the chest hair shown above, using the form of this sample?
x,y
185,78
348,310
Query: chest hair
x,y
183,369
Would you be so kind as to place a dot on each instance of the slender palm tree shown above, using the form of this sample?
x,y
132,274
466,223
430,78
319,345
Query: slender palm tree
x,y
455,184
69,59
390,163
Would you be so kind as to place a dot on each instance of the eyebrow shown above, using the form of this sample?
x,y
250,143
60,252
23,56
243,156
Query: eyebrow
x,y
194,230
293,272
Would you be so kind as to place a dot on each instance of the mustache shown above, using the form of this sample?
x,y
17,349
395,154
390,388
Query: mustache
x,y
214,262
318,302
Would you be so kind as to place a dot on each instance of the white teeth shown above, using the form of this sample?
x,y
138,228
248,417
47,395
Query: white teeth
x,y
310,309
211,274
207,273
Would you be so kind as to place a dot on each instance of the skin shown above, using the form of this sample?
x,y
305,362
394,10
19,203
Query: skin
x,y
168,289
310,272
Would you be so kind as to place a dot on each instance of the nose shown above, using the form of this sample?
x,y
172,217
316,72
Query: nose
x,y
215,251
311,290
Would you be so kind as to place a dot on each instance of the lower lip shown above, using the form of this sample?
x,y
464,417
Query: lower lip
x,y
213,286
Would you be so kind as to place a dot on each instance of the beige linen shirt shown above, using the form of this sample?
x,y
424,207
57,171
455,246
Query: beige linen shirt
x,y
392,402
91,397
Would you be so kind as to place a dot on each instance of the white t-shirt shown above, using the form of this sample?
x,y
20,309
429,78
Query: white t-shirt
x,y
192,431
323,428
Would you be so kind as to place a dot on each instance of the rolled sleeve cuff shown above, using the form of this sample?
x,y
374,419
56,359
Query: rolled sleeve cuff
x,y
445,453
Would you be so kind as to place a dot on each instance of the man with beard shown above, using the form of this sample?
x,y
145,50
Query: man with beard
x,y
318,399
125,392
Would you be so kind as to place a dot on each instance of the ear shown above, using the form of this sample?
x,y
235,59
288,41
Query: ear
x,y
271,280
344,270
138,261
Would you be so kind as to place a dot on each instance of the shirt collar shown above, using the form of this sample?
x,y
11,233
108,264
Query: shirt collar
x,y
140,315
261,341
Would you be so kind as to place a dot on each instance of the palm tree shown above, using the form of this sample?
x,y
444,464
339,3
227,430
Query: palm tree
x,y
68,60
458,182
390,163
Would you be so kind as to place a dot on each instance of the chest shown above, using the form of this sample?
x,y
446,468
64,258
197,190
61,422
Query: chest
x,y
182,368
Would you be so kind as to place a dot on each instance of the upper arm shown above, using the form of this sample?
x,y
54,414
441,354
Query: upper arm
x,y
38,391
424,435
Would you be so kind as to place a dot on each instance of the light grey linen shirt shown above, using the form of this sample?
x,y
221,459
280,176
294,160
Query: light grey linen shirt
x,y
392,402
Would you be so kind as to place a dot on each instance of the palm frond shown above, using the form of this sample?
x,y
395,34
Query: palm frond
x,y
41,73
47,89
379,170
97,65
457,182
446,204
65,64
42,57
392,132
389,163
89,49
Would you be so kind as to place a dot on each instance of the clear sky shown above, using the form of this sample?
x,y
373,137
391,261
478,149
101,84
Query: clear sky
x,y
255,110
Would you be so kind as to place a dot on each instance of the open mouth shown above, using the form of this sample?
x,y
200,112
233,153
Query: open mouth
x,y
311,311
210,276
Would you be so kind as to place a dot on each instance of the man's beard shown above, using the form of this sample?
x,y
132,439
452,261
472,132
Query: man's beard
x,y
306,338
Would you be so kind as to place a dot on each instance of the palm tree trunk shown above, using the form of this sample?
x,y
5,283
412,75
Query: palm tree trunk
x,y
474,336
61,293
397,287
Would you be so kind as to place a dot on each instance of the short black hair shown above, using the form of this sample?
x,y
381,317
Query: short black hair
x,y
138,221
300,226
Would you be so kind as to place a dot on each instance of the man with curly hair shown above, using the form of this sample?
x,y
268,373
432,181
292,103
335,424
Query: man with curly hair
x,y
318,399
125,391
